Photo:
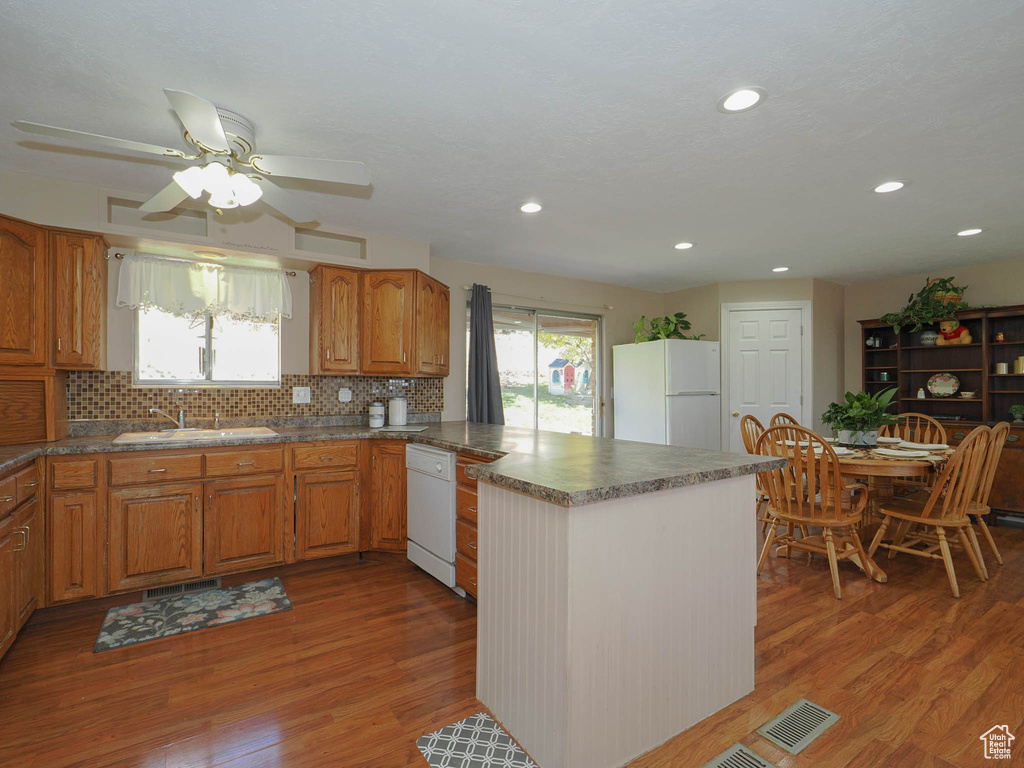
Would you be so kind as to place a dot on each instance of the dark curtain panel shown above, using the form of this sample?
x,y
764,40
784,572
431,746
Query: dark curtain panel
x,y
484,402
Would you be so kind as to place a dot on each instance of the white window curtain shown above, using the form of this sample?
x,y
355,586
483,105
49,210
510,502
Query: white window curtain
x,y
190,289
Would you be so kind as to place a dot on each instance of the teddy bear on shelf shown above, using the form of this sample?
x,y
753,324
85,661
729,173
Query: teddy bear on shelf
x,y
951,332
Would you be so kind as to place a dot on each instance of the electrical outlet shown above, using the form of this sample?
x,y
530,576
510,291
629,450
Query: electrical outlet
x,y
300,394
344,395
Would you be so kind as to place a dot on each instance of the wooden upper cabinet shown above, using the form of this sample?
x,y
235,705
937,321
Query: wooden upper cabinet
x,y
22,293
334,320
388,486
433,303
79,299
388,322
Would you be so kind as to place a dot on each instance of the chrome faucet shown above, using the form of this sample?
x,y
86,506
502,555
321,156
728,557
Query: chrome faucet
x,y
216,420
178,422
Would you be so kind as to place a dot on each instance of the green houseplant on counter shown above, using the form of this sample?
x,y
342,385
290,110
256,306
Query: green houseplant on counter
x,y
856,419
938,300
668,327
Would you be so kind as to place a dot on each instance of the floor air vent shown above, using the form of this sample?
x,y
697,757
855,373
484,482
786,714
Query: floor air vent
x,y
180,589
738,756
798,726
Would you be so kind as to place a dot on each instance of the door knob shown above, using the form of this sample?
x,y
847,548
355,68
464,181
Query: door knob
x,y
735,413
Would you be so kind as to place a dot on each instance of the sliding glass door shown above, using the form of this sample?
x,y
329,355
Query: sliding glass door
x,y
548,365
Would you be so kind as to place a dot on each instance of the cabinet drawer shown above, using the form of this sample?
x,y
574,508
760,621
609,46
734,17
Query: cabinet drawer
x,y
155,468
67,475
465,574
325,455
27,482
465,539
465,505
244,462
8,495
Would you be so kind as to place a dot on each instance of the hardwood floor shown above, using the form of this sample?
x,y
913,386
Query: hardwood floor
x,y
375,654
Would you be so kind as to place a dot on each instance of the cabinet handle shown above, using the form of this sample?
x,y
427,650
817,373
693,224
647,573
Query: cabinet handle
x,y
959,435
328,354
326,458
246,463
472,509
24,540
442,359
473,582
1012,438
34,483
159,470
58,344
405,357
471,545
5,499
195,504
211,499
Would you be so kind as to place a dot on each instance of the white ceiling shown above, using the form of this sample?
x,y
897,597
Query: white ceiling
x,y
603,110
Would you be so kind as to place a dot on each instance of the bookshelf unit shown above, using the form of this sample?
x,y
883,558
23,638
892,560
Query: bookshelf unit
x,y
909,364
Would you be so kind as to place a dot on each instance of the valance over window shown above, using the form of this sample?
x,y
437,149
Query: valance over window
x,y
191,289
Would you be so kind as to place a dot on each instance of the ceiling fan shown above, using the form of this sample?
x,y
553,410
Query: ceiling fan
x,y
229,167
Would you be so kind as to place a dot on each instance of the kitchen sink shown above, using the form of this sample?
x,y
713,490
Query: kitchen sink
x,y
193,435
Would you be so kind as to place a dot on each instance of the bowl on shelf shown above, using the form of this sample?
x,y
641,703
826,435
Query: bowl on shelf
x,y
968,395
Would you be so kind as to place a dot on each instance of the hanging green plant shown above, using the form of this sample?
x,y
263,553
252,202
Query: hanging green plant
x,y
668,327
938,300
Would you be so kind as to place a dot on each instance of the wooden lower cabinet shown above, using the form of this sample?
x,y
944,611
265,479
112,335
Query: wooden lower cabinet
x,y
243,524
29,561
8,585
387,481
75,554
326,514
154,535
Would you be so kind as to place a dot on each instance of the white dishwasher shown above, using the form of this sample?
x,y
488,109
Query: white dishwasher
x,y
431,510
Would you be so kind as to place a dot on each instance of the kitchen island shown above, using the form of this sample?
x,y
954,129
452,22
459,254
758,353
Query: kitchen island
x,y
617,585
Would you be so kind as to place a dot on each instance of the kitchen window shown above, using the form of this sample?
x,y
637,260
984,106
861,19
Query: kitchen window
x,y
209,349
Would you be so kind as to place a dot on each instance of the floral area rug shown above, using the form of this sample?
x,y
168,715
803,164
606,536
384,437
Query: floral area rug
x,y
167,616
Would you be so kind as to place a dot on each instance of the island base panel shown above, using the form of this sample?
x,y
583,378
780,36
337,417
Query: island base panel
x,y
607,629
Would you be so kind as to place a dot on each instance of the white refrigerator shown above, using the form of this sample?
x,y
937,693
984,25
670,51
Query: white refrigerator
x,y
668,392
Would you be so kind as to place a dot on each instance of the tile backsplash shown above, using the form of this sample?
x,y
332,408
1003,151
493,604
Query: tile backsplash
x,y
111,395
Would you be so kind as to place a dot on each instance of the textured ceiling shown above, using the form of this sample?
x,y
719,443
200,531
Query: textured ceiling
x,y
603,110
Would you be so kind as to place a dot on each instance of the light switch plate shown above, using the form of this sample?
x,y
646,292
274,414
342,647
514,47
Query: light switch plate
x,y
300,394
344,395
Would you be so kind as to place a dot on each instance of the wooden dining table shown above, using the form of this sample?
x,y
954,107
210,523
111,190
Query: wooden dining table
x,y
882,471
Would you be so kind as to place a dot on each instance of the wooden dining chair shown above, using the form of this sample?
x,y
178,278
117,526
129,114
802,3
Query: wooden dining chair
x,y
917,428
931,512
750,430
978,507
809,491
781,419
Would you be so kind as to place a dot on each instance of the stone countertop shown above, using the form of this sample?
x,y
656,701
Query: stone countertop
x,y
568,470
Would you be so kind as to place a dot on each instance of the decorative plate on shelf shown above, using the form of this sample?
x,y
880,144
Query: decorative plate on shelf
x,y
943,385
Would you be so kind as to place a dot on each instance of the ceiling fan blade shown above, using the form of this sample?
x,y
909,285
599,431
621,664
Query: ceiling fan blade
x,y
164,200
94,138
285,202
200,119
338,171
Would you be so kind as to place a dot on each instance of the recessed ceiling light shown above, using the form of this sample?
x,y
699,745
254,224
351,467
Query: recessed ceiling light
x,y
780,269
968,232
741,100
889,186
530,207
683,246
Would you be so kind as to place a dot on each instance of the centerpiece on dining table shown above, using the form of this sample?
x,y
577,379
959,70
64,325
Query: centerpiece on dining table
x,y
857,418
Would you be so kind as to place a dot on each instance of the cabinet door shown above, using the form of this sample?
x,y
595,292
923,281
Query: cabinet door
x,y
29,562
428,358
243,524
154,535
335,321
75,558
388,517
79,292
326,515
8,586
387,322
1007,493
442,319
22,294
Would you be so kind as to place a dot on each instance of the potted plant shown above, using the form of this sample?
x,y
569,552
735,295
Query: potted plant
x,y
668,327
938,300
857,418
1017,411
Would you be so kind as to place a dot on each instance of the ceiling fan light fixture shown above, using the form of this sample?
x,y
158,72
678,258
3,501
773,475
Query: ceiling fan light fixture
x,y
227,188
246,190
191,181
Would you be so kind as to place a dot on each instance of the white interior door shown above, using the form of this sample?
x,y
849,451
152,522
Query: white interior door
x,y
765,367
